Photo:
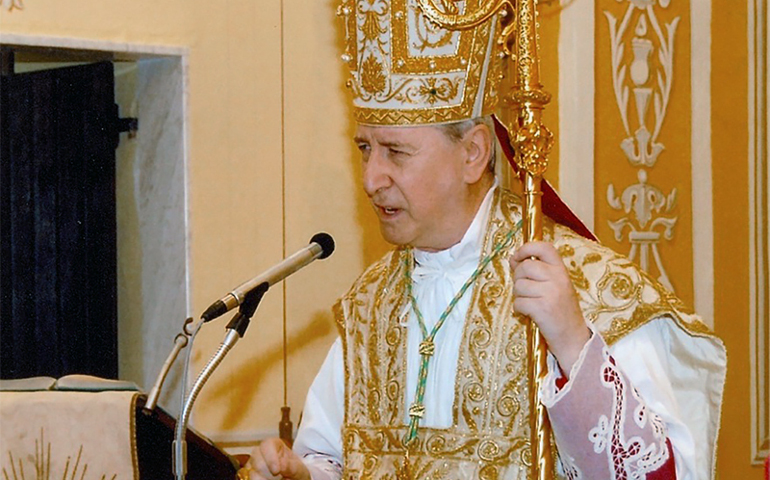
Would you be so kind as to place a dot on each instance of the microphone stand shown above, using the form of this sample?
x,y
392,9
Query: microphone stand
x,y
180,341
235,331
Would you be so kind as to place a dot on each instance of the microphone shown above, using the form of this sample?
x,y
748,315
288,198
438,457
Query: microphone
x,y
320,246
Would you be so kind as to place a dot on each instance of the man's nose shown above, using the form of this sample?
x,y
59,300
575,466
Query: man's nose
x,y
375,173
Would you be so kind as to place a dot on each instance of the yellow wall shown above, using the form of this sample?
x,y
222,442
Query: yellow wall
x,y
730,142
549,77
259,188
270,164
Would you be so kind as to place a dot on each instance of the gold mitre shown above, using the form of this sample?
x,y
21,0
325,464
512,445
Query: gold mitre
x,y
407,70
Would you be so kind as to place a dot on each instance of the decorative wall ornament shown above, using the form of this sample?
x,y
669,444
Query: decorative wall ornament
x,y
11,4
647,208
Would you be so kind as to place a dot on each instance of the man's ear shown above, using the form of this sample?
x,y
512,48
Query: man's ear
x,y
478,143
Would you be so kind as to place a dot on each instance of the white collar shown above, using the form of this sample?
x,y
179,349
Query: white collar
x,y
467,250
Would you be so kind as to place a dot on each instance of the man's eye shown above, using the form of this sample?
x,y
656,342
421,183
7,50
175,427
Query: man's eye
x,y
395,151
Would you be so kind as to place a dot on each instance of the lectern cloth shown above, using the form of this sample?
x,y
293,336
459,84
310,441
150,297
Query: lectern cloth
x,y
55,434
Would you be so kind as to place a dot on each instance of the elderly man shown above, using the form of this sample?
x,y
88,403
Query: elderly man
x,y
428,377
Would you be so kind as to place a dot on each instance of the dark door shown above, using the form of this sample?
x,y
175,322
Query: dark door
x,y
58,308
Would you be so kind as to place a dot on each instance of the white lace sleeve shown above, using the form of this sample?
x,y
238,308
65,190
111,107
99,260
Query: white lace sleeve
x,y
322,467
602,427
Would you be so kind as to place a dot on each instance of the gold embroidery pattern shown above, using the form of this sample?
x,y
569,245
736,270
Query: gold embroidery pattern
x,y
617,295
405,70
429,35
434,90
489,438
437,454
373,78
371,28
426,60
490,400
512,404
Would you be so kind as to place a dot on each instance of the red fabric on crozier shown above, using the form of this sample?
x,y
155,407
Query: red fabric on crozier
x,y
553,206
667,471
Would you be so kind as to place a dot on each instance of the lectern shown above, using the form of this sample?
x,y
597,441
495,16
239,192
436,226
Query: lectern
x,y
97,434
154,434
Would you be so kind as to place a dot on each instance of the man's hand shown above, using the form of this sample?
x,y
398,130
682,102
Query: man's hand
x,y
543,291
274,459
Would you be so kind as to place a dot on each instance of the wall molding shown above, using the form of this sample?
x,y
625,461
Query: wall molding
x,y
128,51
577,88
759,241
702,184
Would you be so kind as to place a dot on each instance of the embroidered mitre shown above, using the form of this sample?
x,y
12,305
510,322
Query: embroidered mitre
x,y
406,70
489,437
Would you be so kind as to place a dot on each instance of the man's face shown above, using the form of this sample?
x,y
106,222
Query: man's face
x,y
415,178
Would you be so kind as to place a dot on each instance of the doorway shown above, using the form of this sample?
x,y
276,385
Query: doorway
x,y
58,305
151,197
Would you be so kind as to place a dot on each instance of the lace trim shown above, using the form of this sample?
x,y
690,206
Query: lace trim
x,y
322,467
554,388
630,458
571,471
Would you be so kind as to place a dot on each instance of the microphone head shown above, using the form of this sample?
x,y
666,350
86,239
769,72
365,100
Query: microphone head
x,y
325,241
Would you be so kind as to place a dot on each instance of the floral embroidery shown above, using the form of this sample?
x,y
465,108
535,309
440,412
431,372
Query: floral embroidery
x,y
598,434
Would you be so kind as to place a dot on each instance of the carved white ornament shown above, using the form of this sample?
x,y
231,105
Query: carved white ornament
x,y
645,205
11,4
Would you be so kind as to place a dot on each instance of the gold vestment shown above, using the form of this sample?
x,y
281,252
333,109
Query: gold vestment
x,y
489,438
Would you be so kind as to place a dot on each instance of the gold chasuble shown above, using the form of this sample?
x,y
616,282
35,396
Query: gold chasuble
x,y
489,438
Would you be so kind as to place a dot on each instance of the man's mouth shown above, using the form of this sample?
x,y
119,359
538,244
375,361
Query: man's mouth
x,y
388,211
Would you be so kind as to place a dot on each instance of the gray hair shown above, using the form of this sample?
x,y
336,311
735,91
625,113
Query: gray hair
x,y
456,131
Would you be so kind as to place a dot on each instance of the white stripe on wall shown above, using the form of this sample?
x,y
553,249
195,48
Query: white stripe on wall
x,y
702,213
576,105
758,241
